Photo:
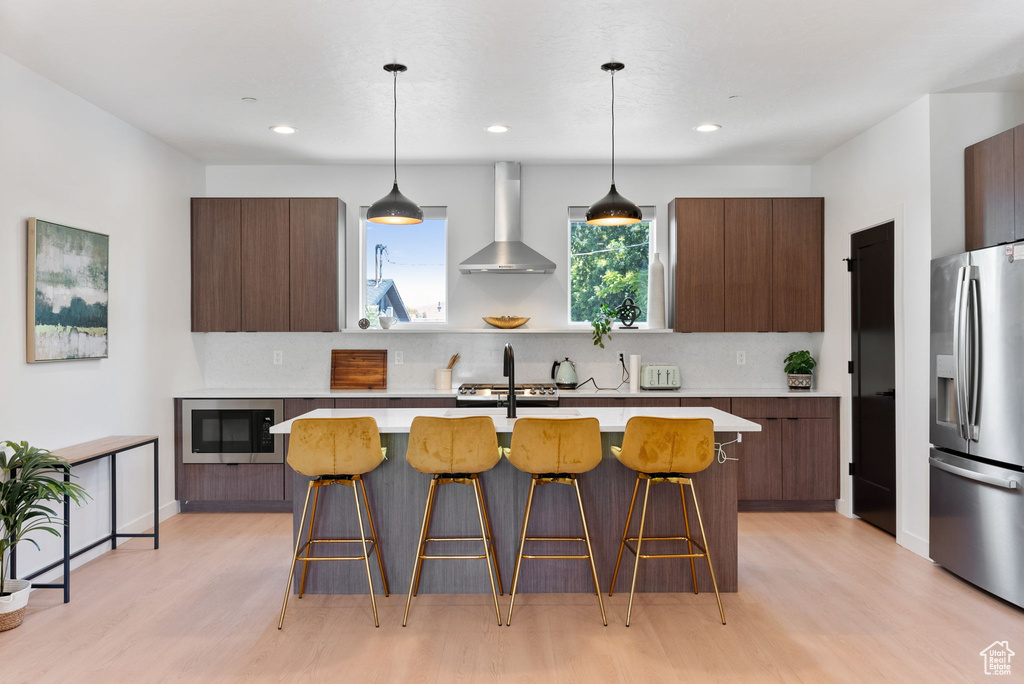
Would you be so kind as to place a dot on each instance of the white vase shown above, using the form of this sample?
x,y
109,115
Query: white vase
x,y
656,293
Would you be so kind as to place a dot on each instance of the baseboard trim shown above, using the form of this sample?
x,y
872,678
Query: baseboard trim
x,y
791,506
236,506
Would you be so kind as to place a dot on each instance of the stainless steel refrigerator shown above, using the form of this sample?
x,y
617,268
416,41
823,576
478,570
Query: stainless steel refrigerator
x,y
977,418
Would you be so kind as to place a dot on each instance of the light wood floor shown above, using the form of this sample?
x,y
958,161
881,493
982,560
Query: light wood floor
x,y
823,598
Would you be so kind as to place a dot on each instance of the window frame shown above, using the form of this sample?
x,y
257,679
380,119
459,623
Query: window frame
x,y
579,215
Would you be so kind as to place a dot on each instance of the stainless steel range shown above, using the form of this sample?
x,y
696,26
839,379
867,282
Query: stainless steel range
x,y
496,394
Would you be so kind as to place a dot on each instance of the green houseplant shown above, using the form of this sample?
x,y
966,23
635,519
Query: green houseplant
x,y
799,366
626,312
30,479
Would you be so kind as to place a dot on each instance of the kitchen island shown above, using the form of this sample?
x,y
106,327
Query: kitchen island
x,y
398,493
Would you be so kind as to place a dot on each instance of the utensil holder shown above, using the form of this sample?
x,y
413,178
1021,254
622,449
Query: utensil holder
x,y
443,379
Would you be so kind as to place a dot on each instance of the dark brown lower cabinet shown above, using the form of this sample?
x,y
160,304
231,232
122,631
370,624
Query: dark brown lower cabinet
x,y
760,461
232,482
616,402
810,464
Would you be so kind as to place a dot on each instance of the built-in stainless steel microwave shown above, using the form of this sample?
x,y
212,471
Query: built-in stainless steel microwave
x,y
231,431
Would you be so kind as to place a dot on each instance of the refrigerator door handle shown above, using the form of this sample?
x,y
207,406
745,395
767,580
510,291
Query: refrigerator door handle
x,y
958,355
971,475
973,358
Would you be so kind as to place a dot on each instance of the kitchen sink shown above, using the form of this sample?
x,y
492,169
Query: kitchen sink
x,y
536,412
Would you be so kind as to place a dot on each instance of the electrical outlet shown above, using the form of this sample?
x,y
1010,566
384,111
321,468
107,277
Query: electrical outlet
x,y
399,358
741,358
278,357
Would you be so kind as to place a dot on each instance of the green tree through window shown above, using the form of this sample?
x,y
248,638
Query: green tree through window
x,y
606,265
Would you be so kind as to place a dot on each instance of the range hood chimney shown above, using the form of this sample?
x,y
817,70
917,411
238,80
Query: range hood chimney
x,y
508,253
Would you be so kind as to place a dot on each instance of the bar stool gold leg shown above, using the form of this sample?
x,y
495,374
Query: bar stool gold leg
x,y
625,533
366,556
373,536
430,514
417,561
298,543
707,552
689,543
487,545
590,550
490,538
639,542
309,541
519,556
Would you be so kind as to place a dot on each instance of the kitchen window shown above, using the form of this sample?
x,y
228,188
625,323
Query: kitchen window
x,y
406,269
608,264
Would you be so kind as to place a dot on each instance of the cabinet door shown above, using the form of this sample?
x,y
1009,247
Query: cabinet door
x,y
798,243
231,482
591,401
760,462
293,408
989,192
421,402
265,265
810,464
699,272
216,265
314,226
1018,178
748,265
720,403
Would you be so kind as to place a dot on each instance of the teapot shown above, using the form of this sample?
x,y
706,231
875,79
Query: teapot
x,y
564,374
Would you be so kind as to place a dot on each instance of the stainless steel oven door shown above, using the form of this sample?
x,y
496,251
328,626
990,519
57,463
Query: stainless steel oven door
x,y
231,431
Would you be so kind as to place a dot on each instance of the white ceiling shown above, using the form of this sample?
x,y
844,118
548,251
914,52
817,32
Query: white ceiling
x,y
808,74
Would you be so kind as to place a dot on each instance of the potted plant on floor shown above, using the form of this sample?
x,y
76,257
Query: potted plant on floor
x,y
799,365
30,479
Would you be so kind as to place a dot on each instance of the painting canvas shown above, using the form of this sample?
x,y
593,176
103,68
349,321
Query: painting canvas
x,y
67,292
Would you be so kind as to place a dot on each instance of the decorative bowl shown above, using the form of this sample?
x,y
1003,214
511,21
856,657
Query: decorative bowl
x,y
505,322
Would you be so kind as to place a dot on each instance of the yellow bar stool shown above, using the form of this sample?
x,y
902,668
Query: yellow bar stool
x,y
454,451
335,451
666,450
555,450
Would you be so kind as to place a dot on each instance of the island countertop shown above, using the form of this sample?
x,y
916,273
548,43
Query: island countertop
x,y
611,419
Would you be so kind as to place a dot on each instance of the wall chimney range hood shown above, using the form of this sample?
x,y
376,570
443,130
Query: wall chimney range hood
x,y
508,253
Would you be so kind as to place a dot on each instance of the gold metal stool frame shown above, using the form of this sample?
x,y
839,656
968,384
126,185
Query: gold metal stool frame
x,y
683,481
439,479
304,549
560,478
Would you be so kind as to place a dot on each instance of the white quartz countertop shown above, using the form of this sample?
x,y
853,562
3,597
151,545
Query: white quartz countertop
x,y
611,419
420,392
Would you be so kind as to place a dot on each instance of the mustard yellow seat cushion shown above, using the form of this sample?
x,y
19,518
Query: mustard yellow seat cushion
x,y
555,445
667,445
452,445
334,446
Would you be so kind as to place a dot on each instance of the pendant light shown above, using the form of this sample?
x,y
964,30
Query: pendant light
x,y
613,209
395,208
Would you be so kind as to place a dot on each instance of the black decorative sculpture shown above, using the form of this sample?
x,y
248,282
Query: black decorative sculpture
x,y
627,313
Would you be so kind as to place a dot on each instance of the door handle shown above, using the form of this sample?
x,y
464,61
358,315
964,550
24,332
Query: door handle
x,y
887,393
958,354
971,475
974,358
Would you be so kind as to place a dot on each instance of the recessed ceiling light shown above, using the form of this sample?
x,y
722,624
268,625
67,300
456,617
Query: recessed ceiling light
x,y
707,127
248,99
284,130
497,128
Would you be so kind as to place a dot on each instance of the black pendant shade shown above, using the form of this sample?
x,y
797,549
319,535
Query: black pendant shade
x,y
613,209
395,208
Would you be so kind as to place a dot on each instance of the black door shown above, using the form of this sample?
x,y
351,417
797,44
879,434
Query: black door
x,y
874,376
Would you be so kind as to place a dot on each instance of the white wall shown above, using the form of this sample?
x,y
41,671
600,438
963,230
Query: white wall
x,y
67,161
883,175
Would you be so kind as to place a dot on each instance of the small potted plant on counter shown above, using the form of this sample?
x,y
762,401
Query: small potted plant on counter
x,y
30,478
799,367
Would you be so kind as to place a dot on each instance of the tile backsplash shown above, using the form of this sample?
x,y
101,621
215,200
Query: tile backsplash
x,y
245,360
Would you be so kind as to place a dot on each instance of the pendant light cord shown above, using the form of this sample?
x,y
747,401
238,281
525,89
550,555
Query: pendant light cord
x,y
613,128
395,128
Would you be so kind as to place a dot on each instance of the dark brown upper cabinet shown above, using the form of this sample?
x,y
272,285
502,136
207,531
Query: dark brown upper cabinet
x,y
699,226
798,262
216,265
314,263
1018,177
989,192
265,264
748,264
748,270
265,279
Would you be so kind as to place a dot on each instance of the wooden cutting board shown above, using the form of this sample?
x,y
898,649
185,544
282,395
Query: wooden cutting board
x,y
359,369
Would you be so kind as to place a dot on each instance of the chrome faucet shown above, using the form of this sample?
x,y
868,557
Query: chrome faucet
x,y
509,370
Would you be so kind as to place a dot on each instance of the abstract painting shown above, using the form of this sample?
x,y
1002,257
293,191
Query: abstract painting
x,y
67,292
